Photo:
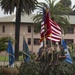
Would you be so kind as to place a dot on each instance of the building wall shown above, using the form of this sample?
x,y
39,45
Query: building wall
x,y
10,28
70,35
32,35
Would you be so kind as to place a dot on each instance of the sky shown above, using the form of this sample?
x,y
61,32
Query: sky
x,y
2,14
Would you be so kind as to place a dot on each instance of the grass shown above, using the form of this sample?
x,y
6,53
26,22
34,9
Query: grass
x,y
3,58
6,58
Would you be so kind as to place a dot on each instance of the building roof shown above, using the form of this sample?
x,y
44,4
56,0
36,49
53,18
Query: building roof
x,y
12,18
71,19
28,18
7,18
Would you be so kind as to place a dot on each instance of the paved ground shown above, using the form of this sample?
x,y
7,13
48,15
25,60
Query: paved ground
x,y
3,63
7,63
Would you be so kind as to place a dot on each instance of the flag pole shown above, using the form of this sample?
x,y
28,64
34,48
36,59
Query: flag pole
x,y
14,57
12,66
5,59
23,35
23,51
6,54
26,54
44,43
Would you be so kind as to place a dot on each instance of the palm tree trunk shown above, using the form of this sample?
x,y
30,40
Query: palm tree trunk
x,y
17,31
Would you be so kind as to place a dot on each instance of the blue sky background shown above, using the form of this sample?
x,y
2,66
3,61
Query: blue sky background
x,y
2,14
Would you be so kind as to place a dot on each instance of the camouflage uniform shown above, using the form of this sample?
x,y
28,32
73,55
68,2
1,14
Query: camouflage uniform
x,y
61,56
55,57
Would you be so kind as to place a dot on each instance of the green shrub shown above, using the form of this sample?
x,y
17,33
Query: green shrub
x,y
20,53
30,68
4,43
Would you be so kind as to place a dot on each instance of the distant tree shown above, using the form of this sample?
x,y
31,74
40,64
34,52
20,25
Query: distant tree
x,y
67,3
4,43
73,10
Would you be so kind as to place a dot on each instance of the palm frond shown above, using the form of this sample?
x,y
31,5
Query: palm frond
x,y
57,11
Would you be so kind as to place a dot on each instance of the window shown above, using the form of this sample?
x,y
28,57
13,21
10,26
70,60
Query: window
x,y
29,41
36,42
3,28
29,29
70,30
69,41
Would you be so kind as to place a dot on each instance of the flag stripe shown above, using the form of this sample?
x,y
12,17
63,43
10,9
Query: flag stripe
x,y
56,31
56,36
42,23
53,38
42,26
55,25
42,31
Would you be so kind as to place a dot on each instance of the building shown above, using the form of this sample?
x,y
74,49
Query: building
x,y
7,26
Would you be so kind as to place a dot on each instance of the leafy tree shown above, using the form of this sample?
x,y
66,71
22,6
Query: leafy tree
x,y
57,11
68,3
26,6
4,43
43,68
30,68
73,10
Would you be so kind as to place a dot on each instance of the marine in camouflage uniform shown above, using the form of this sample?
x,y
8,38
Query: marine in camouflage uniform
x,y
43,60
61,55
54,57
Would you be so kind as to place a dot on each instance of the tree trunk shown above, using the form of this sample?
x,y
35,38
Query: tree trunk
x,y
17,31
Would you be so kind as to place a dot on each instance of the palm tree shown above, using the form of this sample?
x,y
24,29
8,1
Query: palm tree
x,y
73,10
26,6
66,2
57,11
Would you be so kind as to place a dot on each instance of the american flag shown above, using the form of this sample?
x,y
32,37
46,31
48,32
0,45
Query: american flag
x,y
55,31
45,26
49,29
